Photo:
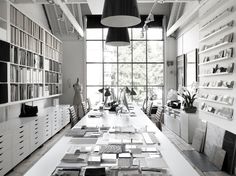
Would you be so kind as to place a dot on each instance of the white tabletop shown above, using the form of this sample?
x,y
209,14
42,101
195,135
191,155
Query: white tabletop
x,y
177,164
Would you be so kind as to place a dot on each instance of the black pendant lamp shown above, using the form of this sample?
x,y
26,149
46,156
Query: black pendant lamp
x,y
120,13
117,37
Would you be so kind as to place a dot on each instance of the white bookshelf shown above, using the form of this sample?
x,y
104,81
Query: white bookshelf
x,y
31,46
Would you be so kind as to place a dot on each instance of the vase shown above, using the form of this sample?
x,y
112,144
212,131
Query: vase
x,y
191,109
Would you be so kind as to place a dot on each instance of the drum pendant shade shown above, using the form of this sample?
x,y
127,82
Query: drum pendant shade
x,y
118,37
120,13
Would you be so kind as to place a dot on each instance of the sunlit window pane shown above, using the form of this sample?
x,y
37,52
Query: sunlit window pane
x,y
139,74
94,33
93,94
138,35
156,93
155,51
124,54
110,53
155,34
94,51
94,74
155,74
110,74
139,51
141,95
125,74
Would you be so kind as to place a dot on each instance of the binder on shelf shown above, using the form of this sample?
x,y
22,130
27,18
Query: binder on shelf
x,y
4,93
5,51
3,72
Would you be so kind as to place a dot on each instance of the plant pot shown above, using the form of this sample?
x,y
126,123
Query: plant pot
x,y
192,109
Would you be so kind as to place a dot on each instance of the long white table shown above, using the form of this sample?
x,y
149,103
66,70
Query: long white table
x,y
177,164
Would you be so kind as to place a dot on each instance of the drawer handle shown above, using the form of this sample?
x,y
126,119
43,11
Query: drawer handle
x,y
21,153
36,132
36,143
21,141
36,137
21,147
21,126
21,136
1,142
22,131
1,154
1,148
47,122
36,128
1,161
36,124
36,120
1,136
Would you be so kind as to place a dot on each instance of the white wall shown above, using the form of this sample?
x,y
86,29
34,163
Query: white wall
x,y
170,71
73,67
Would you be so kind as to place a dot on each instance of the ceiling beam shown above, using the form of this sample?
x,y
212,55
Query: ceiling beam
x,y
70,17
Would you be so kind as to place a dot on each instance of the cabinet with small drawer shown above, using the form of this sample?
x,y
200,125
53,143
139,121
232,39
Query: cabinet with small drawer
x,y
5,161
36,133
21,136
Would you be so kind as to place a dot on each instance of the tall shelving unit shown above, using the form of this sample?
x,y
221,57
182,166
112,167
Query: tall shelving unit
x,y
217,63
33,62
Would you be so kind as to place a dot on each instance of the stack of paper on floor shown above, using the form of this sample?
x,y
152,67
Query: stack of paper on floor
x,y
198,140
217,157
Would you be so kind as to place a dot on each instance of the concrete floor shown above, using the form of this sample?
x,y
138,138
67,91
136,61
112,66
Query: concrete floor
x,y
26,164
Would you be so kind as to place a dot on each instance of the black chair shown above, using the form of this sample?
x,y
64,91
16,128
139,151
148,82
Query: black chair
x,y
73,117
158,117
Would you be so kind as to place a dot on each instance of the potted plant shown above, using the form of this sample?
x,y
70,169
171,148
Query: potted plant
x,y
189,99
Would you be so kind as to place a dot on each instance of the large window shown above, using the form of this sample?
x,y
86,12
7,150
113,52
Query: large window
x,y
139,66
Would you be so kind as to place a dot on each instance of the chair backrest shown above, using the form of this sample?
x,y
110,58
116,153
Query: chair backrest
x,y
89,105
84,108
144,107
158,117
73,117
149,107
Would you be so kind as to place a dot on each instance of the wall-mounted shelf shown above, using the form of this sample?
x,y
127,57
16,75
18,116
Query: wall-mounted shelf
x,y
222,15
215,33
216,115
220,88
214,101
216,60
215,74
215,47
